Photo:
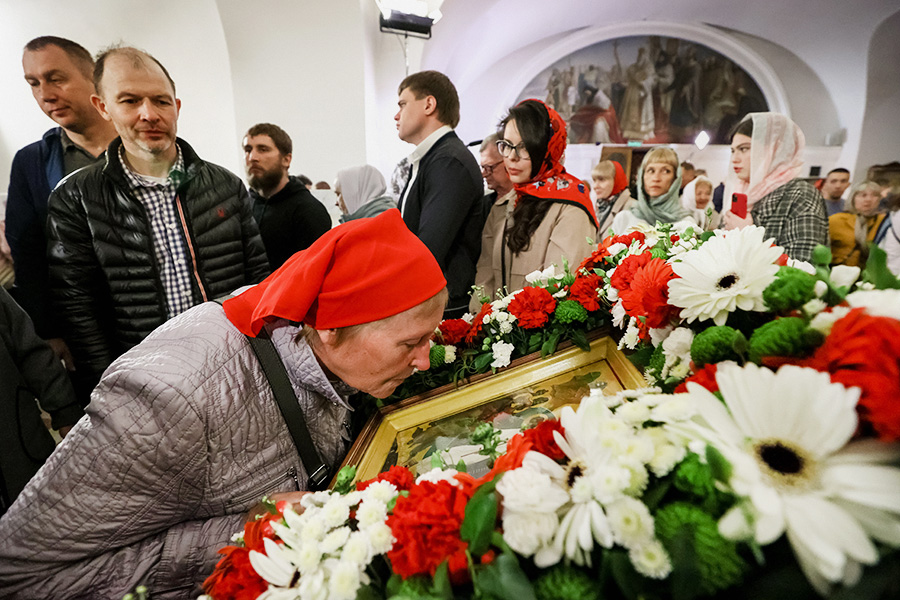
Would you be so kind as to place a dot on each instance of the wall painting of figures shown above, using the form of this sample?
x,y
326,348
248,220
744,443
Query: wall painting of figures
x,y
647,89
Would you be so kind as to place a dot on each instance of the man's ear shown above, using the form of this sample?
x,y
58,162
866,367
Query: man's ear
x,y
286,160
327,336
430,105
100,105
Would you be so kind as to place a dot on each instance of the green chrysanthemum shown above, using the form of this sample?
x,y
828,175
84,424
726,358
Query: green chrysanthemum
x,y
659,251
790,336
791,289
570,311
692,535
695,478
566,583
716,344
436,355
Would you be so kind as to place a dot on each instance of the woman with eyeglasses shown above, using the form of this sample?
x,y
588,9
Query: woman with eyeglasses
x,y
552,216
659,181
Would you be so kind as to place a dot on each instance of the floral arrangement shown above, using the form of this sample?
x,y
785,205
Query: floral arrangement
x,y
557,306
762,461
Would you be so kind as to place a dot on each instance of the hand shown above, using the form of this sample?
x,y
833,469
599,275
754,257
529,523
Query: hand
x,y
291,497
61,350
732,221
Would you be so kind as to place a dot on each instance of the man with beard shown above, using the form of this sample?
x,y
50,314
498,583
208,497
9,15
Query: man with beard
x,y
289,216
151,231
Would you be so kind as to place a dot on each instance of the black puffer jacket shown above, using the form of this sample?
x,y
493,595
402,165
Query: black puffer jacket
x,y
104,277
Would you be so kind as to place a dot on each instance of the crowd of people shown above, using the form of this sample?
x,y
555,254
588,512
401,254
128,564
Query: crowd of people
x,y
168,319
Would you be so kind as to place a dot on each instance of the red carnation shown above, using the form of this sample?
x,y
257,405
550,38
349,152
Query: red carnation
x,y
602,251
624,273
648,295
234,577
453,331
584,291
478,322
628,238
426,526
532,307
542,440
705,377
674,238
401,477
864,351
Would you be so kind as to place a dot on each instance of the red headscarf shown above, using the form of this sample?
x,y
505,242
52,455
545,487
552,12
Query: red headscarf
x,y
552,182
361,271
620,181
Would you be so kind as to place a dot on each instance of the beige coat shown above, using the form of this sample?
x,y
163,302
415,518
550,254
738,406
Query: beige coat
x,y
564,232
623,202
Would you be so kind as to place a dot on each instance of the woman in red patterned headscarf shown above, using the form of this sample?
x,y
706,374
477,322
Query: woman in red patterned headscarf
x,y
552,216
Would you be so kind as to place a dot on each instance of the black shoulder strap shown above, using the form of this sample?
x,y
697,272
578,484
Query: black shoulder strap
x,y
278,379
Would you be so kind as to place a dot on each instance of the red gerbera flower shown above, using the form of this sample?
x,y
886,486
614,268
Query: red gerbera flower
x,y
648,295
624,273
532,307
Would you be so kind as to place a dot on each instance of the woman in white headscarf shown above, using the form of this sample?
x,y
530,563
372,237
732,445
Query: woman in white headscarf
x,y
361,193
697,198
766,151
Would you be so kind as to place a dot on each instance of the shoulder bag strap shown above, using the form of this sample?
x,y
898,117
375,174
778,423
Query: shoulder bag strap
x,y
289,406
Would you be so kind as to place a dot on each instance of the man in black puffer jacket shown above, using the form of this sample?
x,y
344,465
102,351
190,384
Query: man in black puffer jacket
x,y
150,233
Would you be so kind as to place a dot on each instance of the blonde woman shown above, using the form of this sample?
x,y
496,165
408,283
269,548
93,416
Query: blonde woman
x,y
852,231
657,201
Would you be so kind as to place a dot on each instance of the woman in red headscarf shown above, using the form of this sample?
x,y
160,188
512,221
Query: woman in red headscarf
x,y
610,187
184,435
552,216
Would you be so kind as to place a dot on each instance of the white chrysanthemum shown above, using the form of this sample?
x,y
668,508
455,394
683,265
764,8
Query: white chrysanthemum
x,y
879,303
437,474
370,512
727,273
335,540
382,491
357,549
313,530
502,352
335,513
820,288
312,586
343,583
844,275
614,249
638,478
651,560
631,522
678,344
632,335
658,335
380,537
618,314
826,319
449,354
309,557
468,318
802,265
530,488
503,303
674,408
785,435
633,412
527,533
814,306
543,277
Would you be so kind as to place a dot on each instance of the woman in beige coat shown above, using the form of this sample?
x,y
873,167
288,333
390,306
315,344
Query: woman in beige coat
x,y
549,218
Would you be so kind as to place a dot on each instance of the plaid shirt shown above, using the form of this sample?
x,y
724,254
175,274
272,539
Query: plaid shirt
x,y
794,215
168,237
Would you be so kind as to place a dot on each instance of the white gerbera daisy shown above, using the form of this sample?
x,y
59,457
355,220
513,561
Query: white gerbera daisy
x,y
728,272
786,436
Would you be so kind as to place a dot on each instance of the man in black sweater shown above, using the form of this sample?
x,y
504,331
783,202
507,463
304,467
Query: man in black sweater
x,y
289,216
441,202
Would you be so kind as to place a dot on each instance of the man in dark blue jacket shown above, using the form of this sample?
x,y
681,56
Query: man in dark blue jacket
x,y
59,72
441,202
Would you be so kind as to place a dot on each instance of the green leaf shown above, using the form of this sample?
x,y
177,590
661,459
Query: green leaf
x,y
549,346
480,520
344,482
706,235
685,573
627,579
534,342
369,592
482,361
655,493
462,467
877,271
436,461
718,464
503,578
442,588
579,338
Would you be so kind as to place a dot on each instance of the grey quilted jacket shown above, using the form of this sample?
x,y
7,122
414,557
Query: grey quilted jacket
x,y
181,438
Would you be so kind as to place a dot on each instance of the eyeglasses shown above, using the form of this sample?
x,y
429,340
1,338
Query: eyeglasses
x,y
488,169
507,150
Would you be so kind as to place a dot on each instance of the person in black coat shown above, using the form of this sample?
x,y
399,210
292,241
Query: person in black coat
x,y
30,371
441,202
